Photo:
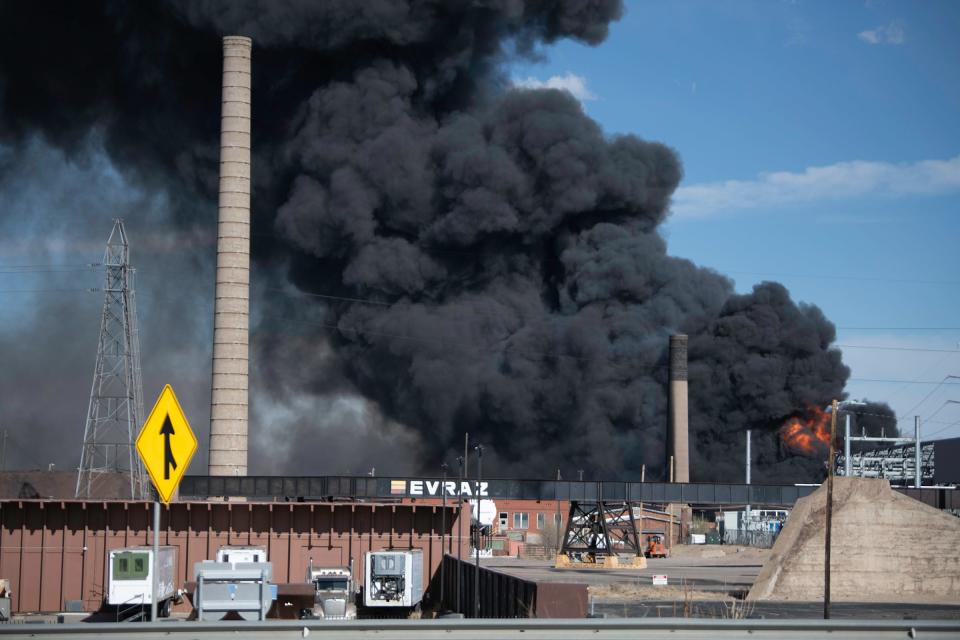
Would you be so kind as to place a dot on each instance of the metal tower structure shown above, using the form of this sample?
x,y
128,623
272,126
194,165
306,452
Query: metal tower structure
x,y
115,412
599,529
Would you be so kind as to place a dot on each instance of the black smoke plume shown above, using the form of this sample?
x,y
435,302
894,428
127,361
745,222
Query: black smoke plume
x,y
452,254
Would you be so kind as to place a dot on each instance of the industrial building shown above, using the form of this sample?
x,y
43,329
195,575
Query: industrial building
x,y
519,527
939,463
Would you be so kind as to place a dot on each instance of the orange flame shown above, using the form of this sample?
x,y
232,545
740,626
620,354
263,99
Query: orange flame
x,y
809,435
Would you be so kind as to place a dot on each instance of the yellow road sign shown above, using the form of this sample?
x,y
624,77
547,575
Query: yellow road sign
x,y
166,444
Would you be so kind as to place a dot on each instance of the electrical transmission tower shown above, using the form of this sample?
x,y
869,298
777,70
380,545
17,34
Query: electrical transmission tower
x,y
115,413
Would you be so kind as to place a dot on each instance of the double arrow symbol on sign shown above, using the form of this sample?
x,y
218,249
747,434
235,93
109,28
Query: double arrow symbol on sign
x,y
168,460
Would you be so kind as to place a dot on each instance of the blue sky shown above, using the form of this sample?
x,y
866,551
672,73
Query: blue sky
x,y
821,146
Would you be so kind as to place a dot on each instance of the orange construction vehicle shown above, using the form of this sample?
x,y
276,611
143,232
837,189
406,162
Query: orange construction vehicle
x,y
655,548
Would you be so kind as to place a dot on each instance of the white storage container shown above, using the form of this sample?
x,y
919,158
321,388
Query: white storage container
x,y
241,553
393,578
130,573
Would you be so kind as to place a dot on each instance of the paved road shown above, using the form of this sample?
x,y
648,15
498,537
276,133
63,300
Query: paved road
x,y
725,574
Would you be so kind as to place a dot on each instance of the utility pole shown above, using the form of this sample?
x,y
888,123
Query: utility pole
x,y
155,569
559,519
829,528
918,471
847,464
643,478
3,455
443,533
476,569
459,529
746,518
670,527
466,455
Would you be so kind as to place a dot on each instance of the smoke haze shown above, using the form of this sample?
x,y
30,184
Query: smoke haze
x,y
436,253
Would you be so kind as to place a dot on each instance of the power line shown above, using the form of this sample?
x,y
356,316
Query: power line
x,y
32,272
899,328
927,397
328,296
882,348
837,277
554,355
952,384
90,290
334,327
939,431
942,406
43,267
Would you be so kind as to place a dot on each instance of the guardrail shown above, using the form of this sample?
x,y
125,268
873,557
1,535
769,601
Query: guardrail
x,y
527,629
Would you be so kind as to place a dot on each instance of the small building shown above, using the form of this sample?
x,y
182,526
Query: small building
x,y
756,527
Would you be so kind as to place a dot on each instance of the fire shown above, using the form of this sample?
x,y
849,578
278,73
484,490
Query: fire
x,y
807,435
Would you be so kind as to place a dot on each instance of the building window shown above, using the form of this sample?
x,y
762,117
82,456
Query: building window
x,y
556,519
504,521
521,520
541,520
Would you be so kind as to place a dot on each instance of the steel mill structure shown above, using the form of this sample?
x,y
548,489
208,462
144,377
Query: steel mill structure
x,y
228,404
115,410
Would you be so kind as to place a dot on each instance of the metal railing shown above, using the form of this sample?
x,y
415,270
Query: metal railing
x,y
598,628
130,611
387,488
370,489
750,538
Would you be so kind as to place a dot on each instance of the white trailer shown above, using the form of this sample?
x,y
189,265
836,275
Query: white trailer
x,y
241,553
130,572
393,578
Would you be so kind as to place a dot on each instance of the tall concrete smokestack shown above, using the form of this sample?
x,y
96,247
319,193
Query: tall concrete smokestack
x,y
679,413
228,405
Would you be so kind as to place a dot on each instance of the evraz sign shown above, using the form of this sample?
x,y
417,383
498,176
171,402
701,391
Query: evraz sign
x,y
436,488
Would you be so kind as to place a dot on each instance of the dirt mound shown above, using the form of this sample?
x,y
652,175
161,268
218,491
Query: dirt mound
x,y
886,547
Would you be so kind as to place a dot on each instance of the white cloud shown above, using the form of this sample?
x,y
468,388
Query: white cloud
x,y
576,85
884,34
842,180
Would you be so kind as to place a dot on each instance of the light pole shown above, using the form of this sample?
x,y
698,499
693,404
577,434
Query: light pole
x,y
476,568
847,462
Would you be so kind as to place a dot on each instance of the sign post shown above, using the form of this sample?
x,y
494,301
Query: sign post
x,y
166,445
155,569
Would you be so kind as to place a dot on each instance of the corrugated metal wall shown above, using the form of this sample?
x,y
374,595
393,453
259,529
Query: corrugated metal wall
x,y
52,551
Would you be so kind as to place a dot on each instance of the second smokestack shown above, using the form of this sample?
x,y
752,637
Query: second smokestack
x,y
679,411
231,315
